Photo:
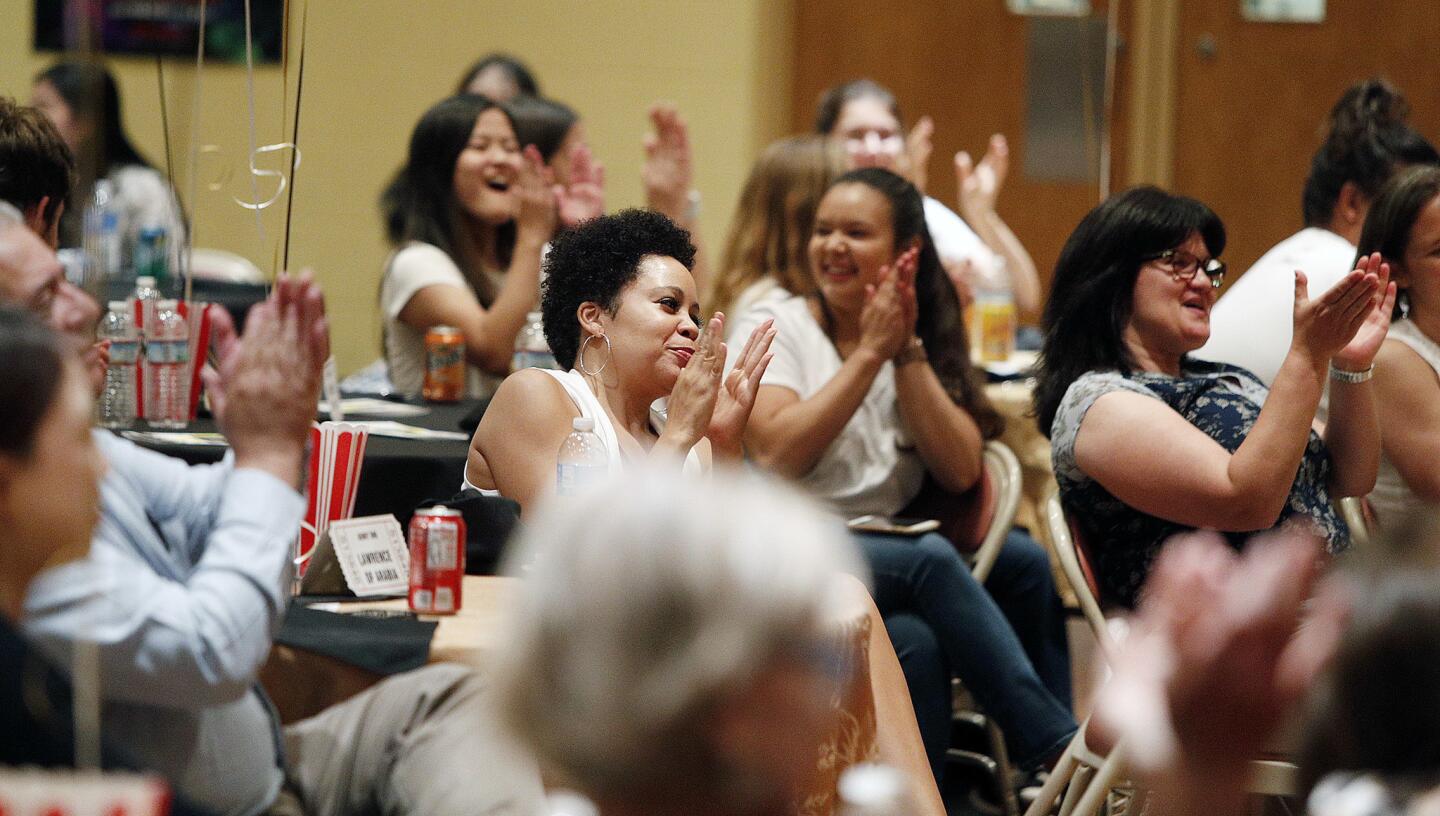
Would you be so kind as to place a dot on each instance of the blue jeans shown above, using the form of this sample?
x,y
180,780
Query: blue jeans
x,y
924,581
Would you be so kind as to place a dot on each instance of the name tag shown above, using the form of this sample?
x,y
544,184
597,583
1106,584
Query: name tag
x,y
372,555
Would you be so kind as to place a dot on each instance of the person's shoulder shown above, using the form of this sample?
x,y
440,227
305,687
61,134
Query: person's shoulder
x,y
528,391
417,255
785,309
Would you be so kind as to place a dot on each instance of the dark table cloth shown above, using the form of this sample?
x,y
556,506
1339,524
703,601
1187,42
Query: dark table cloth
x,y
397,475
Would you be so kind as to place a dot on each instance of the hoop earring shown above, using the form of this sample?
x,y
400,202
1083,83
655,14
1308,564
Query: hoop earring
x,y
580,358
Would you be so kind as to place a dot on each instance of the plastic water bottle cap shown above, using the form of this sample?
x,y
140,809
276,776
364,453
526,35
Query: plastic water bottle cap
x,y
583,424
870,785
119,305
145,280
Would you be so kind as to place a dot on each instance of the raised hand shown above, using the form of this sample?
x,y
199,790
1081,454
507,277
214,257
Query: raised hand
x,y
535,187
1215,657
980,184
1326,325
961,273
584,197
667,172
692,401
918,147
737,393
1360,352
265,385
887,321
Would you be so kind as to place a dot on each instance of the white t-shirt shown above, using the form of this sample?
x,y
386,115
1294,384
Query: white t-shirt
x,y
872,466
761,291
411,268
954,239
1392,498
1251,325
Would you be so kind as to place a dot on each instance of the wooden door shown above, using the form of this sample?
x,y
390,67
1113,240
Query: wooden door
x,y
1252,98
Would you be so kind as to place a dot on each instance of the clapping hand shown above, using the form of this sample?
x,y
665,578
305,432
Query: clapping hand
x,y
980,184
692,401
1215,657
266,384
535,188
1326,328
1360,352
737,394
918,147
584,197
887,321
667,171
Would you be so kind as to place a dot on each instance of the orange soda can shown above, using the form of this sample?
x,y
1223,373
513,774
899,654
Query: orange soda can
x,y
444,365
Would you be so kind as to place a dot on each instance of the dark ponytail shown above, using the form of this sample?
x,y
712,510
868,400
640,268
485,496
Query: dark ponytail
x,y
1367,140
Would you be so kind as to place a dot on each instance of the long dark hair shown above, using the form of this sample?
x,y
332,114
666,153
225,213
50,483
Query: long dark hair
x,y
91,94
939,324
420,205
1367,139
542,122
1091,294
1392,217
31,358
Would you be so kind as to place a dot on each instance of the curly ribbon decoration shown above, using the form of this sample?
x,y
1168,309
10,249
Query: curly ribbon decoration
x,y
195,148
257,172
250,104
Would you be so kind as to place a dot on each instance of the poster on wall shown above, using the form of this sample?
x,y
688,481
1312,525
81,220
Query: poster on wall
x,y
164,27
1283,11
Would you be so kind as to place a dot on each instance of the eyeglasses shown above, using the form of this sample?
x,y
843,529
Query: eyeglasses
x,y
1182,266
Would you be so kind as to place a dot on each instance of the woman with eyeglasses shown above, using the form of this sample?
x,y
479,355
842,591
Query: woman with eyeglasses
x,y
1148,441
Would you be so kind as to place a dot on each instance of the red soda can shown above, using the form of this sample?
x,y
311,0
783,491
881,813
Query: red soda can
x,y
444,364
437,560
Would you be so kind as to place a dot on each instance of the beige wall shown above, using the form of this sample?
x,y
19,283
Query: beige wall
x,y
373,67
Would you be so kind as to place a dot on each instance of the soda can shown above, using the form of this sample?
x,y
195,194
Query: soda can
x,y
444,364
437,560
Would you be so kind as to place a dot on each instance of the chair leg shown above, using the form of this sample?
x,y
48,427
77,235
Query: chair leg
x,y
1064,769
1099,787
1079,781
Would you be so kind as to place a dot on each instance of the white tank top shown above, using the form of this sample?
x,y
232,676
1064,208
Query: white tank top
x,y
1392,498
589,406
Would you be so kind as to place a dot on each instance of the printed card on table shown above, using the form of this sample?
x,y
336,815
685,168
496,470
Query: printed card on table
x,y
372,554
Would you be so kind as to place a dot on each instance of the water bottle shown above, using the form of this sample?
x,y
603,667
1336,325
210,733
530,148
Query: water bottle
x,y
102,233
117,401
992,333
144,298
582,460
167,349
870,789
152,259
531,350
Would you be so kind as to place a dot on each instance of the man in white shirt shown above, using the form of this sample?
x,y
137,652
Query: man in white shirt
x,y
186,582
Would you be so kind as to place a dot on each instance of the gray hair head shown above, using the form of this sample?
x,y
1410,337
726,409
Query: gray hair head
x,y
645,606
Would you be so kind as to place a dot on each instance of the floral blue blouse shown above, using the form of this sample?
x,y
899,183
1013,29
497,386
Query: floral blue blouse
x,y
1221,400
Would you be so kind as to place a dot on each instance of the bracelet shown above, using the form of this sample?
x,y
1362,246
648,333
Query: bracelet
x,y
1341,375
913,352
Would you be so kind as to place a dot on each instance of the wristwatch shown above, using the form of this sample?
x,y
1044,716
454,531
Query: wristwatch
x,y
912,352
